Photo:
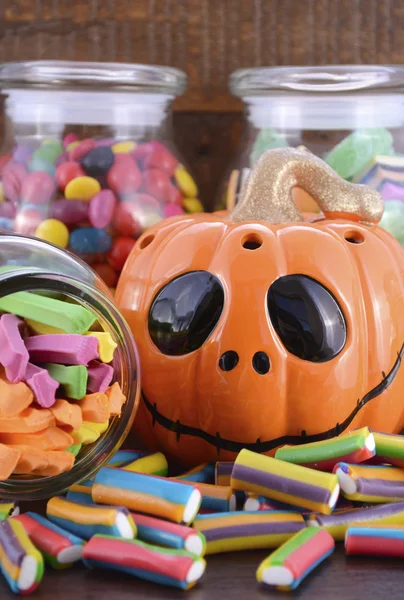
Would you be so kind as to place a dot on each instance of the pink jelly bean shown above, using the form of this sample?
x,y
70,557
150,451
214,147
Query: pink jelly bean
x,y
69,212
123,178
99,376
173,196
66,172
8,210
38,187
27,221
82,149
157,183
13,353
69,139
41,384
106,142
69,349
172,210
143,150
161,159
102,208
127,219
13,176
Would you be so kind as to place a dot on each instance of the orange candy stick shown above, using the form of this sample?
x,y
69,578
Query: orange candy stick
x,y
9,458
30,460
59,462
95,408
14,398
52,438
67,413
29,421
116,399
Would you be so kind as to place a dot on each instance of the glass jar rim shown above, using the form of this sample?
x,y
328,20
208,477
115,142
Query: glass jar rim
x,y
326,79
119,76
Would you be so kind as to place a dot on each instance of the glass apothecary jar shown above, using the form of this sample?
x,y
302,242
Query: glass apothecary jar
x,y
88,159
351,116
35,275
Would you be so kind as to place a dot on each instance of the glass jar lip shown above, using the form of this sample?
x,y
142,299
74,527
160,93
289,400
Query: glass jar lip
x,y
57,74
326,79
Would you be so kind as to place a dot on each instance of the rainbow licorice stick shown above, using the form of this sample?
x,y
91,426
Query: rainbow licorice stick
x,y
285,482
81,492
390,448
20,562
8,509
368,483
150,463
171,535
375,540
204,473
337,524
255,502
59,548
124,457
223,472
240,530
352,447
85,520
176,568
216,498
157,496
286,568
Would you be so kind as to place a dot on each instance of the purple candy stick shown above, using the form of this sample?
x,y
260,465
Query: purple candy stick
x,y
65,349
99,376
42,385
13,353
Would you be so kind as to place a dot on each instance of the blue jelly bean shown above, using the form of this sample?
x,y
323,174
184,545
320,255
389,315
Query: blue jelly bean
x,y
90,239
6,224
39,164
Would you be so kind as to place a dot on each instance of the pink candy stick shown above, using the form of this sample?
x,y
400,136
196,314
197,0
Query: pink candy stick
x,y
13,353
99,376
66,349
42,385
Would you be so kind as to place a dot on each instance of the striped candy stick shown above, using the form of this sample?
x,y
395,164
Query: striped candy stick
x,y
21,563
170,535
375,540
368,483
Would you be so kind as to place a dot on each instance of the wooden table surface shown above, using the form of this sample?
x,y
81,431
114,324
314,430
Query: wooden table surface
x,y
232,576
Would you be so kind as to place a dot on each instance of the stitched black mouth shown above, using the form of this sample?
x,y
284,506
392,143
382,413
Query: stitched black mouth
x,y
232,446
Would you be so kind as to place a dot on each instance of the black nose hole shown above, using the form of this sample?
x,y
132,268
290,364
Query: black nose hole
x,y
252,241
354,237
261,362
228,360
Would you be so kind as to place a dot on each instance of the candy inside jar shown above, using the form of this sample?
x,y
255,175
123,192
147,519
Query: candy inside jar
x,y
89,162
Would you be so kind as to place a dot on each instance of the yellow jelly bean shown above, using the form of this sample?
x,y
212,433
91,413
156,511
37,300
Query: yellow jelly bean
x,y
82,188
41,328
185,182
72,145
54,231
123,147
106,345
85,435
192,205
97,427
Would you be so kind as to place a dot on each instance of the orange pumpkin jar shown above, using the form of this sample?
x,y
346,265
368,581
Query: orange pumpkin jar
x,y
259,329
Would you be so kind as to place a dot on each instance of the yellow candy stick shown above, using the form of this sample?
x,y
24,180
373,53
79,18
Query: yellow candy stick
x,y
106,345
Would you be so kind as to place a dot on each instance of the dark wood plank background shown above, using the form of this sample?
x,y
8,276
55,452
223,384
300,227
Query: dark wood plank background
x,y
208,39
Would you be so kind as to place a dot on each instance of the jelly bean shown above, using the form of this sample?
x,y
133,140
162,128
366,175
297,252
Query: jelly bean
x,y
62,158
13,176
107,274
185,182
39,164
192,205
156,183
27,221
173,196
172,210
72,145
38,188
127,219
22,154
161,159
90,239
6,224
53,231
66,172
102,208
123,178
69,138
48,150
8,209
142,150
82,188
98,161
121,248
4,160
69,212
2,197
105,142
82,148
123,147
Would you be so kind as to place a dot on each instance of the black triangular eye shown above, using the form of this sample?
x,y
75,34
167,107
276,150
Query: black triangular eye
x,y
307,318
185,312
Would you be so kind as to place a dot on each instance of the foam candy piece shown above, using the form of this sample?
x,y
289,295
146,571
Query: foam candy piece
x,y
74,449
52,438
97,427
13,353
9,458
41,328
72,379
14,398
21,563
42,384
95,408
85,435
67,413
58,462
29,421
116,399
30,460
70,318
65,349
99,376
106,345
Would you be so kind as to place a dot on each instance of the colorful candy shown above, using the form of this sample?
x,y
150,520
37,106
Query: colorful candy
x,y
204,473
13,352
223,472
150,463
390,448
368,483
286,568
285,482
8,509
20,562
375,540
81,493
172,500
171,535
176,568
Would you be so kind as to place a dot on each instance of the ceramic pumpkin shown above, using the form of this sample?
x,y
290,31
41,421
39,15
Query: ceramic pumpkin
x,y
258,329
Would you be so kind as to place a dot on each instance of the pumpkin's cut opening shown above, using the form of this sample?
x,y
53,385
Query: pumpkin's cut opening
x,y
354,237
146,241
252,241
